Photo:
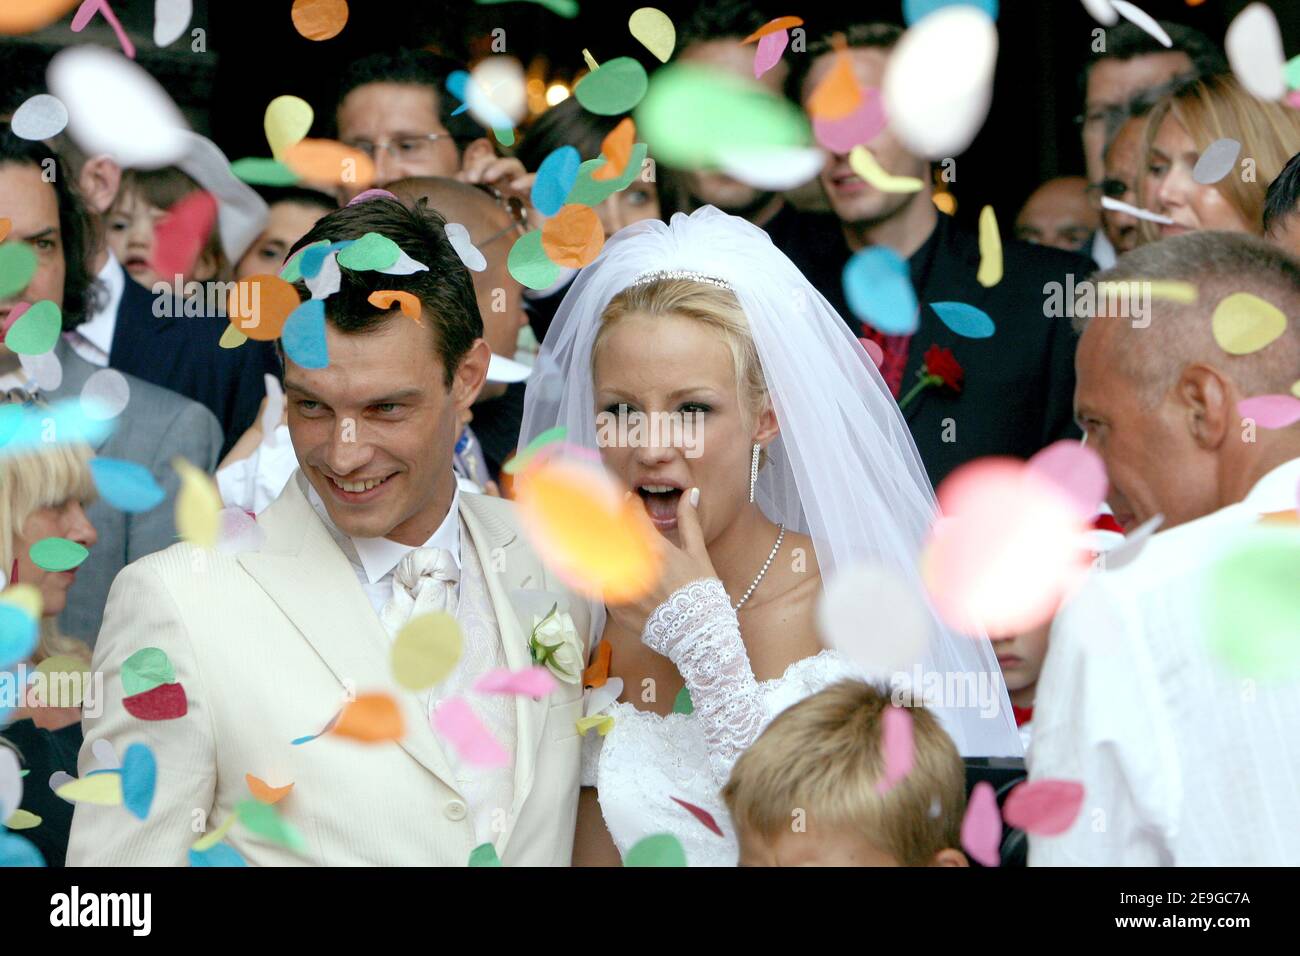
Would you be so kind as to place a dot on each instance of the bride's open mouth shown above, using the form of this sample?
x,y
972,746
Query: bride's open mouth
x,y
660,503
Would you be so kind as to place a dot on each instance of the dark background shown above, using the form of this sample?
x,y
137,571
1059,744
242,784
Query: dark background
x,y
254,54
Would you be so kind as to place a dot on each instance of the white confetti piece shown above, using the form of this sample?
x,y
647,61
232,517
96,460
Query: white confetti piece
x,y
238,532
1140,18
40,117
1254,47
325,282
44,370
1102,12
774,170
404,266
1219,159
459,238
170,18
105,394
1114,205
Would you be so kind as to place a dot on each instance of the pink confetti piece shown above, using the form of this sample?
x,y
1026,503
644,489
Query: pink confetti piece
x,y
15,314
896,746
981,828
1293,99
875,351
1044,807
1076,470
1271,411
180,236
86,12
457,723
530,682
371,194
861,126
770,48
704,816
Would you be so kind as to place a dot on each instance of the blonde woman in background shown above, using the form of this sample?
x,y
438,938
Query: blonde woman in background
x,y
43,494
1179,130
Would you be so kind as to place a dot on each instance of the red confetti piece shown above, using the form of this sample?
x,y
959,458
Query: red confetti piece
x,y
180,236
704,816
1044,807
164,702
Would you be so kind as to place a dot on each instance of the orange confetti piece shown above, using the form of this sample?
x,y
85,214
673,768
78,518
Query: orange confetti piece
x,y
772,26
327,162
5,226
837,95
319,19
580,522
598,672
409,304
25,16
617,150
371,718
573,236
264,791
1284,518
259,305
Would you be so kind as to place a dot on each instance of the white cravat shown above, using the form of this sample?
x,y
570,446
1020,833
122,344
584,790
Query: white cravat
x,y
93,339
424,582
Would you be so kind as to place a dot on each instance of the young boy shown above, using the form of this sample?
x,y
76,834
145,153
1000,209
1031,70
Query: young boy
x,y
805,793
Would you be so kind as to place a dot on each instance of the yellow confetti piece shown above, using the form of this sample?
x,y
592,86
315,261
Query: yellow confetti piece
x,y
198,506
103,789
426,649
66,679
232,338
1295,389
990,271
25,597
1245,323
23,820
1184,293
602,723
287,121
865,165
209,840
655,31
591,61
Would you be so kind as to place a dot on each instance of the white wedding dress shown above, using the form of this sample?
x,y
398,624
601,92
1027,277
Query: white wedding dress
x,y
645,760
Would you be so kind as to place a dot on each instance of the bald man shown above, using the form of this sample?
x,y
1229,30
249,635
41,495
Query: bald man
x,y
492,229
1185,756
1058,214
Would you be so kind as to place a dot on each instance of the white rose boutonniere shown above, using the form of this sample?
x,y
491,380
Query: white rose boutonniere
x,y
555,643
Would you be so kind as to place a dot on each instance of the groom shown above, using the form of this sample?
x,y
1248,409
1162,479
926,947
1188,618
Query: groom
x,y
270,644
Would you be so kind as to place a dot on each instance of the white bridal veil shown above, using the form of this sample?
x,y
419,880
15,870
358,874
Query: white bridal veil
x,y
844,469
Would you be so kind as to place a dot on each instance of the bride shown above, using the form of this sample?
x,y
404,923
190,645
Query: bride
x,y
803,467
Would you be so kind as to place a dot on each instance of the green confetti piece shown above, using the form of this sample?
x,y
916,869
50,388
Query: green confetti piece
x,y
1292,73
485,854
692,113
662,849
146,669
521,460
263,171
616,87
1253,604
371,252
592,192
264,820
682,704
506,137
561,8
17,266
529,264
57,554
37,330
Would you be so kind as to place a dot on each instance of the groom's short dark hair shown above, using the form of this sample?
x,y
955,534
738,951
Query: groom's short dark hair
x,y
445,289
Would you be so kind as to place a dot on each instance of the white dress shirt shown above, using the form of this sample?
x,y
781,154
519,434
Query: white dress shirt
x,y
93,339
1103,252
1183,761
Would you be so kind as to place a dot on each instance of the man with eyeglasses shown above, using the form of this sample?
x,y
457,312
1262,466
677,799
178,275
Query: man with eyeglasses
x,y
395,108
1058,214
1128,62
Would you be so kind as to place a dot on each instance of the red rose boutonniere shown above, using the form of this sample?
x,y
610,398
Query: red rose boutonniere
x,y
938,367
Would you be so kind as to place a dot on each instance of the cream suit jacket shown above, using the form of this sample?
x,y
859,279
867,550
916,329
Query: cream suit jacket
x,y
267,645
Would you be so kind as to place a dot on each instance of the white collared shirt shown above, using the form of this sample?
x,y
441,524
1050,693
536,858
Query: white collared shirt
x,y
93,339
375,559
1183,761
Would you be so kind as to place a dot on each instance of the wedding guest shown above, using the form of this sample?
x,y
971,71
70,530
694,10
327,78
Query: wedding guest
x,y
143,200
1183,759
1128,61
1014,400
1179,130
291,211
1282,208
1058,214
1125,165
155,427
44,493
807,791
1021,658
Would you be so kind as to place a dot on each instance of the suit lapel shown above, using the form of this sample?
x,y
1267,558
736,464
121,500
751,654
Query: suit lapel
x,y
304,572
76,370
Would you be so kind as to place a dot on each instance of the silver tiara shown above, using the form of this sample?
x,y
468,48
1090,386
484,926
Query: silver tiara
x,y
657,274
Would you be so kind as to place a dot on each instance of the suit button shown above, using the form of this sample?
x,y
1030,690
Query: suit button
x,y
455,810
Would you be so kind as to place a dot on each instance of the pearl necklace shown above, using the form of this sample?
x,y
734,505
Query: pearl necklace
x,y
766,564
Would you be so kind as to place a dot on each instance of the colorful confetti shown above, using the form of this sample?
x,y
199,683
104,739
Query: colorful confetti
x,y
867,168
387,299
1252,604
981,828
319,19
617,87
165,702
896,747
1253,44
263,791
58,554
287,121
1043,807
573,237
37,329
661,849
699,813
534,681
529,264
371,718
198,503
964,319
1271,411
655,31
182,233
990,270
455,721
40,117
426,650
1216,162
1244,323
878,289
139,778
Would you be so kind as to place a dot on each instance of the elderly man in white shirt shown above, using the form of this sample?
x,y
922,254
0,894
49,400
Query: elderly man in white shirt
x,y
1184,759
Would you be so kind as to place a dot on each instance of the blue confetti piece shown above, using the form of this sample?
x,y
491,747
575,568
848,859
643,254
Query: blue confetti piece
x,y
313,257
914,10
555,177
139,777
964,319
126,485
18,851
878,287
65,422
222,854
304,335
18,635
457,81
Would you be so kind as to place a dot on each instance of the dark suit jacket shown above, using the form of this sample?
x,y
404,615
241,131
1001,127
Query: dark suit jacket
x,y
1019,386
181,353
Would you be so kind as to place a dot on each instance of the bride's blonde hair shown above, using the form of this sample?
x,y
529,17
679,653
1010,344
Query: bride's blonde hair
x,y
31,480
710,305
